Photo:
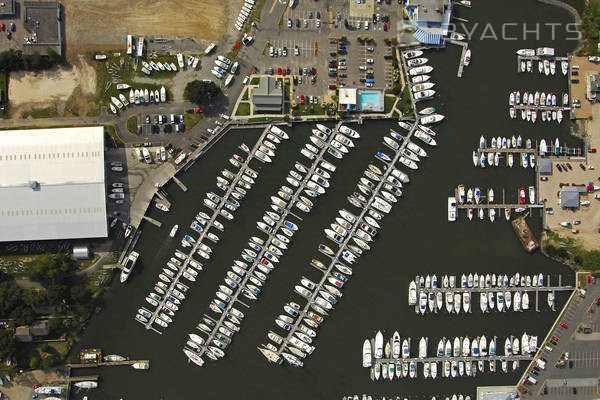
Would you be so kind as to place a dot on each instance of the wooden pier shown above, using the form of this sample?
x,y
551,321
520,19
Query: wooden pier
x,y
342,247
215,214
534,68
180,184
513,150
279,224
152,221
540,107
106,364
512,289
463,54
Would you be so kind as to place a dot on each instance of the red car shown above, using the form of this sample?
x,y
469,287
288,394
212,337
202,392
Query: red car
x,y
288,70
38,384
301,99
332,86
2,27
279,71
284,72
555,338
564,325
569,165
385,27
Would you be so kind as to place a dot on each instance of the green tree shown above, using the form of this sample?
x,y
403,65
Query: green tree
x,y
79,294
53,268
7,344
56,293
199,91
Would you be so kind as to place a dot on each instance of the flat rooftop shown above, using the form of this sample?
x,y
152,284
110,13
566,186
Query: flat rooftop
x,y
53,184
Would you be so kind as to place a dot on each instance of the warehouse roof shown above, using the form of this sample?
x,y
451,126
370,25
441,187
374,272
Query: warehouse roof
x,y
52,184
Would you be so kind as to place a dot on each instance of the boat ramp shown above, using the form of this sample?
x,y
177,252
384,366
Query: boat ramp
x,y
235,297
342,246
203,234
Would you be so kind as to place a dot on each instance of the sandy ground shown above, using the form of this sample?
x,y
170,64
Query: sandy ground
x,y
65,88
104,22
21,387
589,233
578,90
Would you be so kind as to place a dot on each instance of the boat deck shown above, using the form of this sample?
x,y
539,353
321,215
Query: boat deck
x,y
342,246
207,227
235,298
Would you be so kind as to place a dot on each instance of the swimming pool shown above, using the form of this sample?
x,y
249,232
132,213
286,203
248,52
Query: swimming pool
x,y
371,101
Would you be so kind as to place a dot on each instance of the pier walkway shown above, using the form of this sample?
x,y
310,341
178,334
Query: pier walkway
x,y
342,246
459,358
279,224
215,214
107,364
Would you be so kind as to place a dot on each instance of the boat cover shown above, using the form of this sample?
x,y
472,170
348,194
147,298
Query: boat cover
x,y
427,38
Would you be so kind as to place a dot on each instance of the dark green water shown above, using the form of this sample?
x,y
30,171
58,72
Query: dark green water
x,y
415,238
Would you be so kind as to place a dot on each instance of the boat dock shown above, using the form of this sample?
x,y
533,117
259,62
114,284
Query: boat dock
x,y
463,54
541,58
207,227
514,150
180,184
503,204
106,364
152,221
540,107
260,254
342,246
418,360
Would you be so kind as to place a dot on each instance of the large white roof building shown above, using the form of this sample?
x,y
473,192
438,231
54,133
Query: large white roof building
x,y
52,184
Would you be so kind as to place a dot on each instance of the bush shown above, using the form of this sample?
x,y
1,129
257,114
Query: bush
x,y
34,363
48,361
51,268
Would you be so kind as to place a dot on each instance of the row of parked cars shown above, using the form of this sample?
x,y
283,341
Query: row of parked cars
x,y
175,122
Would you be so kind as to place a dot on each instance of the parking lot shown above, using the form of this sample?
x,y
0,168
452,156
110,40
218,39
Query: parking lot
x,y
149,124
316,30
572,361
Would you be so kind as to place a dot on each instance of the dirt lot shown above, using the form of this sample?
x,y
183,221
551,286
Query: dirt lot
x,y
93,23
69,90
578,90
589,216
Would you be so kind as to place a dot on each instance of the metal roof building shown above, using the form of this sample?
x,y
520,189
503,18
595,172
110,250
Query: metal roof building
x,y
52,184
268,96
569,197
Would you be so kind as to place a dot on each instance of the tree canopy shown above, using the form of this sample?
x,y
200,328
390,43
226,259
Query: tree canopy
x,y
52,268
200,91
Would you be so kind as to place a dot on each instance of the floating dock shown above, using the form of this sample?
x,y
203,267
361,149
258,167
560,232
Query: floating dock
x,y
342,247
525,235
207,227
280,223
107,364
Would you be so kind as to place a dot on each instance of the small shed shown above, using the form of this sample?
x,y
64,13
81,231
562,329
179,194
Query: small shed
x,y
81,252
39,328
545,166
22,334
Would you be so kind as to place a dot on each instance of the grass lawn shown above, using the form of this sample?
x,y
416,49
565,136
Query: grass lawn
x,y
389,103
245,95
132,124
115,139
48,112
395,114
571,251
309,109
191,120
243,109
255,81
123,67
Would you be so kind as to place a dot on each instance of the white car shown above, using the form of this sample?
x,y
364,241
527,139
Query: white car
x,y
289,24
271,51
370,61
296,51
246,80
371,49
318,23
362,67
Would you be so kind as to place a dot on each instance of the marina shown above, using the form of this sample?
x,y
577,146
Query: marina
x,y
168,303
261,257
493,292
374,289
322,296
